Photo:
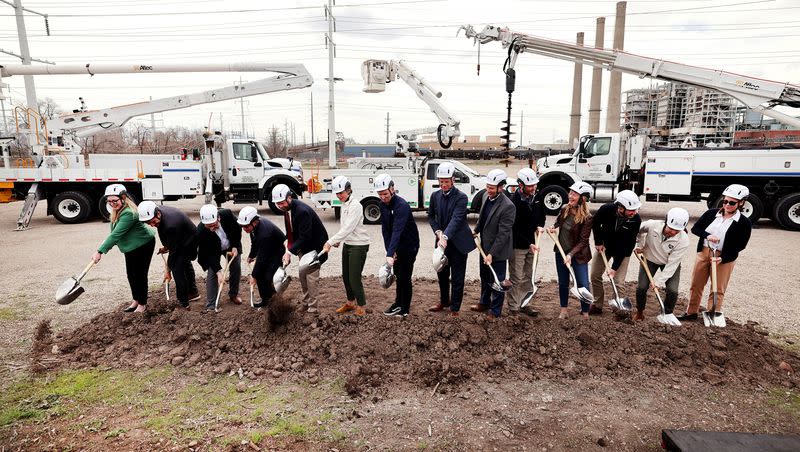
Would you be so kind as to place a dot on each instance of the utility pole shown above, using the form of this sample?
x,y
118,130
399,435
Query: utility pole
x,y
521,118
331,81
153,126
25,53
387,127
3,106
312,117
241,104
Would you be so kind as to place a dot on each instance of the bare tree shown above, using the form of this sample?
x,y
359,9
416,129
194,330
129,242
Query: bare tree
x,y
48,108
276,143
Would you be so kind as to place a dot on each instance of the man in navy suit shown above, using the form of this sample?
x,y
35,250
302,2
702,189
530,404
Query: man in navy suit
x,y
447,215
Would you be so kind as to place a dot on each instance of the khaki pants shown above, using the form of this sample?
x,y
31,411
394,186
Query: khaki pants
x,y
309,283
701,275
596,277
521,268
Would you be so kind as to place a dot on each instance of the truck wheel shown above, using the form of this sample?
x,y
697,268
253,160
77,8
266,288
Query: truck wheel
x,y
753,207
372,211
787,212
477,201
71,207
553,198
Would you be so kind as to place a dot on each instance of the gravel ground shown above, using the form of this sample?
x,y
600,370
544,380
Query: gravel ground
x,y
38,260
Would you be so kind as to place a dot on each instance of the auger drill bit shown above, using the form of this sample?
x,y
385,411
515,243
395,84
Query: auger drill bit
x,y
511,78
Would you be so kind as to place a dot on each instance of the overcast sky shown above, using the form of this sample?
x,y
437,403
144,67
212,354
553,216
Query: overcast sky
x,y
753,37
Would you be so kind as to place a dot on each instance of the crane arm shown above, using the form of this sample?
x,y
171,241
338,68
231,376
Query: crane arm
x,y
757,94
377,73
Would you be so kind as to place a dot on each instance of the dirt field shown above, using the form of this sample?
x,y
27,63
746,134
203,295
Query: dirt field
x,y
174,379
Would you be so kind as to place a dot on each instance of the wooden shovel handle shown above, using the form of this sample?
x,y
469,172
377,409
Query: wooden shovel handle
x,y
478,244
713,271
647,270
536,241
558,245
86,270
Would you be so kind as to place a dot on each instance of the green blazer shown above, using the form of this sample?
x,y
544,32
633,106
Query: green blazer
x,y
128,233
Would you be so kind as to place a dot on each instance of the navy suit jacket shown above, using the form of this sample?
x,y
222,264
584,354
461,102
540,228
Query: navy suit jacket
x,y
449,215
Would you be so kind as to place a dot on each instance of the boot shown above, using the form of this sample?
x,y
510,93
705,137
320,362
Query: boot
x,y
347,307
639,316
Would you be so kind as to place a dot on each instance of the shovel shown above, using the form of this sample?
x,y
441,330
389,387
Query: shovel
x,y
71,288
222,285
580,293
312,261
529,296
667,319
166,281
714,318
496,285
249,271
621,304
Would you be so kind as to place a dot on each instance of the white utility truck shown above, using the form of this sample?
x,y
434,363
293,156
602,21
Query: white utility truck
x,y
616,161
237,169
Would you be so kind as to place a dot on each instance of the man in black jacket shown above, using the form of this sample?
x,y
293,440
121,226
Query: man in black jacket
x,y
304,234
178,237
266,250
218,234
530,217
615,228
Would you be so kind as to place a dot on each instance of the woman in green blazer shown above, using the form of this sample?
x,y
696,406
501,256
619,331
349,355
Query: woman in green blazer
x,y
133,239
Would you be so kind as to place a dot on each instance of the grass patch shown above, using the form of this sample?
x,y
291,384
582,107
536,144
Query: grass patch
x,y
786,400
9,314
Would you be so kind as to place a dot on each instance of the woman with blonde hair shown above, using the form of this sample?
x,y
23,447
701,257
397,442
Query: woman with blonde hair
x,y
574,225
133,239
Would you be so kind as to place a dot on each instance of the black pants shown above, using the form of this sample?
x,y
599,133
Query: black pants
x,y
183,274
264,282
453,272
404,270
137,265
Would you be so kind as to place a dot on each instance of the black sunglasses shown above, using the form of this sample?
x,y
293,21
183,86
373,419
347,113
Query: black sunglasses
x,y
730,203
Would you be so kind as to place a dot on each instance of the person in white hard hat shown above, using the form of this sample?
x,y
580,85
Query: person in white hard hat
x,y
529,220
664,244
135,240
615,226
218,234
304,233
495,226
266,250
401,240
178,237
574,225
447,215
356,245
726,231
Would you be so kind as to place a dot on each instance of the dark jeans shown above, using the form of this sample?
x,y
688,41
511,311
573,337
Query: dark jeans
x,y
581,275
403,271
137,264
453,273
489,297
353,259
644,286
183,275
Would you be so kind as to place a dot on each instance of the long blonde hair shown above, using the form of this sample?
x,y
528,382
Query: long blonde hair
x,y
127,202
581,211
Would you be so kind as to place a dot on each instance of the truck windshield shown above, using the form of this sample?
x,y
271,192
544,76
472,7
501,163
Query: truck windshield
x,y
597,146
466,169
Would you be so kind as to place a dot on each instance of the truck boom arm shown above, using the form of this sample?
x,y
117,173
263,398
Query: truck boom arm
x,y
377,73
757,94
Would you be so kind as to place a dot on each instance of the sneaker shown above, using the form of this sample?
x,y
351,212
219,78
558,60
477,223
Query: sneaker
x,y
347,307
194,296
402,314
360,311
687,317
595,310
392,310
260,304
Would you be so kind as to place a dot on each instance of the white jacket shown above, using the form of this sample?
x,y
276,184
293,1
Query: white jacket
x,y
352,230
661,250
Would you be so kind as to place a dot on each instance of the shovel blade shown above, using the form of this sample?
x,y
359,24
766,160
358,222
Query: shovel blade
x,y
527,299
71,296
715,319
668,319
622,304
585,294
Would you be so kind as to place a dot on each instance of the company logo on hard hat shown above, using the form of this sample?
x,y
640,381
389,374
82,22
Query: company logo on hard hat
x,y
748,85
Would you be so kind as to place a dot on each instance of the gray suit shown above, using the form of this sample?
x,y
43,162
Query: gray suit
x,y
497,232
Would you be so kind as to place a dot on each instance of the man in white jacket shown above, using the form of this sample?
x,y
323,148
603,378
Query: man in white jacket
x,y
356,245
664,243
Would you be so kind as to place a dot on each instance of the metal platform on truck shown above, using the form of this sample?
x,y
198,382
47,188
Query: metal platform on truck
x,y
697,441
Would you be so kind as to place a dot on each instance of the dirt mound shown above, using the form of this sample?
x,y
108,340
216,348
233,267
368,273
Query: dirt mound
x,y
425,349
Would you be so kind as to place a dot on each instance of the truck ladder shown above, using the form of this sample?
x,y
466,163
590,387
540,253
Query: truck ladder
x,y
34,194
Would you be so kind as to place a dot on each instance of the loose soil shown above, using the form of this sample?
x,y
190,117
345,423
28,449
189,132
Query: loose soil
x,y
503,383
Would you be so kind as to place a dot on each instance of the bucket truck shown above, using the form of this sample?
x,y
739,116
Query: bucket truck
x,y
377,73
237,169
616,161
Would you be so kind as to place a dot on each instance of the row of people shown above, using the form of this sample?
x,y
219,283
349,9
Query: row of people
x,y
506,231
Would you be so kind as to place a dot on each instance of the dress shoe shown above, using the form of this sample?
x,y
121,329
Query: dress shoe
x,y
639,316
595,310
130,309
437,307
687,317
360,311
347,307
236,299
479,307
194,296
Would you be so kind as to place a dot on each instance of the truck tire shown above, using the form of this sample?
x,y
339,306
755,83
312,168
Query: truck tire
x,y
787,212
553,198
71,207
372,211
477,200
753,207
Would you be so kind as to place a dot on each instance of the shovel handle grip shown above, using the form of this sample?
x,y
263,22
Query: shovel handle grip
x,y
713,271
86,270
480,248
560,249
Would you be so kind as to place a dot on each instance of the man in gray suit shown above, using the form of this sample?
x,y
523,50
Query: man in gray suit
x,y
495,226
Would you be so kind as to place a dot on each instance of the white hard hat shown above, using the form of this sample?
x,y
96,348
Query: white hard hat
x,y
629,200
385,276
439,260
445,170
280,193
581,188
496,177
147,210
115,190
677,218
383,182
527,176
339,184
208,214
246,215
736,191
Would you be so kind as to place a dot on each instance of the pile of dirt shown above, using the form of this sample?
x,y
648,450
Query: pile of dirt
x,y
426,349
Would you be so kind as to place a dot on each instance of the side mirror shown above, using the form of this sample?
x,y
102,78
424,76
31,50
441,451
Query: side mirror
x,y
253,154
